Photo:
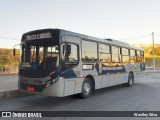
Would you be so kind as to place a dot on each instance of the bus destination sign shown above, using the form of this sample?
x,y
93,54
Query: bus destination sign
x,y
39,36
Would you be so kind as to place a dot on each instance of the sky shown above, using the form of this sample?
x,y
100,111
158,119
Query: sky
x,y
131,21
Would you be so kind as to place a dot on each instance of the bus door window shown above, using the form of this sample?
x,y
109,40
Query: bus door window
x,y
70,57
70,52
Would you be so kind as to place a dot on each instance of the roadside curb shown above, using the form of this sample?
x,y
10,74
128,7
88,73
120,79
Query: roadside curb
x,y
8,74
12,94
157,71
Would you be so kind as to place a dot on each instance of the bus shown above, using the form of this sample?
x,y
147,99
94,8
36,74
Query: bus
x,y
56,62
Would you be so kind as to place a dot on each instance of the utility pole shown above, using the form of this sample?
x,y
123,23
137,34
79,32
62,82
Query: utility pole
x,y
153,52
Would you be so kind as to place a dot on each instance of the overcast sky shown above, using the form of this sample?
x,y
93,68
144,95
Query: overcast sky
x,y
117,19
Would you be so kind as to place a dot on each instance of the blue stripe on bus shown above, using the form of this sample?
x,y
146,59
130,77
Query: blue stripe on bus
x,y
68,74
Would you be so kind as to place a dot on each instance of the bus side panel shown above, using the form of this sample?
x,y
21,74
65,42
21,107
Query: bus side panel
x,y
120,78
124,77
111,79
93,73
136,76
78,85
137,69
106,81
98,82
55,90
116,79
69,87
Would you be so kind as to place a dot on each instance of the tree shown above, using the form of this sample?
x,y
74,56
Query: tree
x,y
6,57
157,51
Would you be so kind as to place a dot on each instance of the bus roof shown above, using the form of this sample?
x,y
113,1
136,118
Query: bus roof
x,y
107,41
69,33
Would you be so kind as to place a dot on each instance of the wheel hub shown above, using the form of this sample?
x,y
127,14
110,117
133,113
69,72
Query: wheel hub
x,y
86,88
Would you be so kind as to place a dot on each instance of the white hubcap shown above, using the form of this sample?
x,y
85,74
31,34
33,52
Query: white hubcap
x,y
86,88
131,80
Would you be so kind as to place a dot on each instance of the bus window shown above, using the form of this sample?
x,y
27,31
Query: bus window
x,y
73,55
70,59
116,54
104,53
89,51
132,56
125,55
104,48
33,54
139,58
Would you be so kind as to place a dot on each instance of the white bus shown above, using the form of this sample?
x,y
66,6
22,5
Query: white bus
x,y
55,62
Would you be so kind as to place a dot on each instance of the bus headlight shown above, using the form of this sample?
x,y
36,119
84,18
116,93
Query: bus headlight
x,y
54,80
48,83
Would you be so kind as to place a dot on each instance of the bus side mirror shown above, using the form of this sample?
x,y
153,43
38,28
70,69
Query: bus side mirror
x,y
68,49
14,52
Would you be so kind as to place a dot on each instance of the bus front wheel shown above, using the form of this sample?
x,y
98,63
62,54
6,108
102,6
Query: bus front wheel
x,y
87,88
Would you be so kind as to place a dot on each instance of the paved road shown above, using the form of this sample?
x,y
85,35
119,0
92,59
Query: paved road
x,y
144,95
8,82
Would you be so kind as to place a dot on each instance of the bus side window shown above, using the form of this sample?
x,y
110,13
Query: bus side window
x,y
73,56
70,52
70,59
125,55
104,53
139,58
132,56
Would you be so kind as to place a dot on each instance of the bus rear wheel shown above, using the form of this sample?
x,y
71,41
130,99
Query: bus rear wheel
x,y
130,80
87,88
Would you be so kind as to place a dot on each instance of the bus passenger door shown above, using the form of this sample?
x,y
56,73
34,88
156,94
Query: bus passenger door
x,y
70,64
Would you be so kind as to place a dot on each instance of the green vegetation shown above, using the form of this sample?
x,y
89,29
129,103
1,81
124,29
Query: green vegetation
x,y
149,55
149,60
148,50
7,58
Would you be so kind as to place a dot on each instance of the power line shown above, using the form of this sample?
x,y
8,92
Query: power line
x,y
9,38
137,37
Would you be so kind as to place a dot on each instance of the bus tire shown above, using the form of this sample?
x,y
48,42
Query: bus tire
x,y
130,79
87,88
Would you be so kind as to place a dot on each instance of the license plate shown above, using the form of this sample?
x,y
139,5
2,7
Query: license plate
x,y
31,89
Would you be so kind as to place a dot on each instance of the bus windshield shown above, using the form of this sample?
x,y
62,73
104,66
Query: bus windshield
x,y
39,57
